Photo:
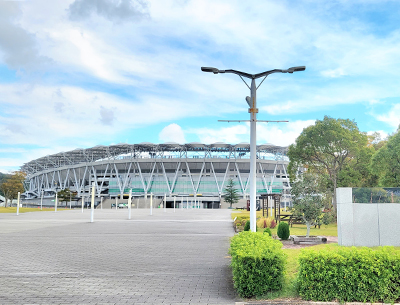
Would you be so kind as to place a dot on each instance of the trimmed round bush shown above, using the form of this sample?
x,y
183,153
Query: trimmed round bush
x,y
283,231
258,264
247,226
267,231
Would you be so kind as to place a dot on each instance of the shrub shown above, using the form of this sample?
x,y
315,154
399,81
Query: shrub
x,y
257,264
273,224
265,222
268,231
247,226
283,231
350,275
261,222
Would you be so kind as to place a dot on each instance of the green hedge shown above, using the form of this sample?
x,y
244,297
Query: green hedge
x,y
257,263
350,275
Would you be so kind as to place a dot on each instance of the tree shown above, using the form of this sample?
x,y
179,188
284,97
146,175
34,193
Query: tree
x,y
307,200
65,195
325,148
12,185
231,193
357,172
386,162
3,177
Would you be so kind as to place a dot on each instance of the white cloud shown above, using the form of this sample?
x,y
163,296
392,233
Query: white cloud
x,y
117,11
392,117
19,47
230,135
383,134
281,134
333,73
172,133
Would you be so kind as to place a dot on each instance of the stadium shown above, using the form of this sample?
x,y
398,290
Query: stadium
x,y
172,172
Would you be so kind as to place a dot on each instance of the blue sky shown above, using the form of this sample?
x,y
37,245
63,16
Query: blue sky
x,y
79,73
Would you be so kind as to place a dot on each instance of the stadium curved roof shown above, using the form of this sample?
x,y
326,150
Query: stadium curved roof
x,y
113,152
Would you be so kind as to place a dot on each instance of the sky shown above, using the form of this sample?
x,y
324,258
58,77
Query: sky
x,y
81,73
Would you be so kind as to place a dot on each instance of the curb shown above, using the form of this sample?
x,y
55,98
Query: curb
x,y
300,302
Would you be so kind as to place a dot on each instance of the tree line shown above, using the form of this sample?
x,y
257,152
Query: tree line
x,y
335,153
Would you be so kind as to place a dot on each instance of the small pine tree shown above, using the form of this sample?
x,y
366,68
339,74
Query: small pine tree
x,y
283,231
231,193
247,226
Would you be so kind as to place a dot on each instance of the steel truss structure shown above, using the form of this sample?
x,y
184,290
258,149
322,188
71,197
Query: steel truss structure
x,y
171,169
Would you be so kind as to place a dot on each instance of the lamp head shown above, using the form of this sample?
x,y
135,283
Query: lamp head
x,y
210,69
296,69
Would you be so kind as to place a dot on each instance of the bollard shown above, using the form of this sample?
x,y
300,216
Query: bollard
x,y
151,204
165,203
92,204
129,204
56,202
19,197
83,202
174,203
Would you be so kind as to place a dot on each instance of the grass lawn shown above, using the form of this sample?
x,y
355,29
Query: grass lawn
x,y
292,267
325,230
241,213
25,210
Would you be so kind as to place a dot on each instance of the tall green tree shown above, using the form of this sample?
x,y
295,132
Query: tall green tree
x,y
357,172
307,199
231,193
386,162
325,148
65,195
3,177
12,185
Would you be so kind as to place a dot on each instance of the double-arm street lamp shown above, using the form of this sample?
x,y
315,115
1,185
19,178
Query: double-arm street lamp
x,y
251,101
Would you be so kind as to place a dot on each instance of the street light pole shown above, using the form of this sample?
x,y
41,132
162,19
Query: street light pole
x,y
253,150
252,102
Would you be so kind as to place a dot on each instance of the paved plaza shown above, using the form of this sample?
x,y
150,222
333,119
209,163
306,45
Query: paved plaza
x,y
166,258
